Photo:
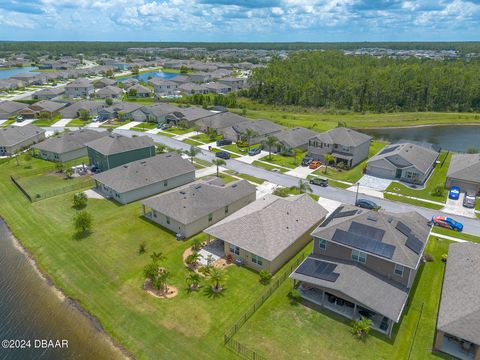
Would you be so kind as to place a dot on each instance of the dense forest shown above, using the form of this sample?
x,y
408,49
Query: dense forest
x,y
365,83
92,47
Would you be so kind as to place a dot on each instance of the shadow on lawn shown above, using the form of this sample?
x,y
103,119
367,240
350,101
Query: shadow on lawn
x,y
81,235
209,292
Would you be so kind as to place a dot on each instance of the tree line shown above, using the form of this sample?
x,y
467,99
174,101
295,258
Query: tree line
x,y
333,80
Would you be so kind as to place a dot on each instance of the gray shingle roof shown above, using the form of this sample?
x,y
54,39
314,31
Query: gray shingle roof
x,y
12,135
261,127
268,226
387,222
69,141
11,107
51,91
141,173
193,113
198,199
465,167
89,105
459,312
295,137
362,285
140,89
47,105
115,143
420,157
221,120
343,136
123,106
109,90
78,83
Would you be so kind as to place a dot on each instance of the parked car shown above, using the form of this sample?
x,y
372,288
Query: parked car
x,y
367,204
223,142
223,155
306,161
254,151
19,118
323,182
454,193
469,200
163,126
447,222
96,118
314,164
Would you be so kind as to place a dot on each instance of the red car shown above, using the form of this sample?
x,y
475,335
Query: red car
x,y
447,222
315,164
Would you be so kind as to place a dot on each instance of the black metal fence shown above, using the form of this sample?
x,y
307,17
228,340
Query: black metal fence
x,y
415,333
234,345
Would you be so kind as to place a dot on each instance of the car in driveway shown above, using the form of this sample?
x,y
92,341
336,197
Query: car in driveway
x,y
367,204
19,118
454,193
223,142
314,164
254,151
469,200
447,223
307,160
223,155
163,126
319,181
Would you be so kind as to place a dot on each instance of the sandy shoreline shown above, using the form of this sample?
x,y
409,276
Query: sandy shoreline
x,y
62,296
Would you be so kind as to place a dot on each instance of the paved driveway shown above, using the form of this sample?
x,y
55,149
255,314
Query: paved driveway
x,y
456,207
62,122
23,123
373,182
250,159
301,172
130,125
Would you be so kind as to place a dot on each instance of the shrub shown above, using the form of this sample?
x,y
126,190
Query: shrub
x,y
429,257
197,243
265,276
80,200
437,191
362,327
294,296
142,248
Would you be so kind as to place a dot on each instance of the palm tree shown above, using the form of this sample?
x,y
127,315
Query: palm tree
x,y
271,141
217,276
303,187
296,152
160,148
160,282
218,162
193,280
192,152
158,257
329,158
249,134
193,258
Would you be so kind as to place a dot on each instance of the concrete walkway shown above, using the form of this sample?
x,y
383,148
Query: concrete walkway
x,y
211,170
185,136
374,182
130,125
96,124
23,123
301,172
62,122
456,207
3,121
250,159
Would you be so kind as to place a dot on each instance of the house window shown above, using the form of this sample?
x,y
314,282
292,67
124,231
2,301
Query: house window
x,y
168,220
398,270
226,209
165,183
346,149
257,259
322,244
210,217
234,249
359,256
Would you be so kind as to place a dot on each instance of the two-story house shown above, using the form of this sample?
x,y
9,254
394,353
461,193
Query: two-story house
x,y
364,264
346,145
162,87
80,88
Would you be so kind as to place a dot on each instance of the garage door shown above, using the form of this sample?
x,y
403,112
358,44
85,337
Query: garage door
x,y
380,172
465,186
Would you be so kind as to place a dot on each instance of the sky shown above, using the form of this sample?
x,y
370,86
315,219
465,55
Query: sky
x,y
240,20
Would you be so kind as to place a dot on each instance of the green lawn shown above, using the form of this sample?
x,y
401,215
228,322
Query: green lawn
x,y
354,174
113,123
286,161
78,122
455,234
239,150
413,201
204,138
283,331
145,126
191,142
232,155
8,122
46,122
250,178
103,272
179,131
437,177
269,167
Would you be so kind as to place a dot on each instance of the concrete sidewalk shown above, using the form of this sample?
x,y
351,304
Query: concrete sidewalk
x,y
62,123
130,125
23,123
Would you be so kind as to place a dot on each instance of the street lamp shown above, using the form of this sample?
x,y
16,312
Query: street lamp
x,y
356,195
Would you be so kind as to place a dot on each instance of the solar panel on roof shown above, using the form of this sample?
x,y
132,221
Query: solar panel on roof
x,y
318,269
388,150
363,243
366,231
414,244
404,229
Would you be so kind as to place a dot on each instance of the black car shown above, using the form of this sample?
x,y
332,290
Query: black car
x,y
306,161
367,204
223,155
319,181
223,142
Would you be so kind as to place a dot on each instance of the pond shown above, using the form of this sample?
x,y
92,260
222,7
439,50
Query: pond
x,y
451,137
144,76
4,74
31,309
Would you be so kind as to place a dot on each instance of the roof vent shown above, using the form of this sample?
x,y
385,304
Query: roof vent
x,y
372,218
389,219
197,187
182,192
234,185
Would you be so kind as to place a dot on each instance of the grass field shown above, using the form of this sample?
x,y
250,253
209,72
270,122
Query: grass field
x,y
191,142
412,201
269,167
455,234
250,178
43,183
286,161
204,138
103,272
437,177
78,122
320,120
280,330
8,122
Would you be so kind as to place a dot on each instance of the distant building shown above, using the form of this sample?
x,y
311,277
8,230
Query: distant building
x,y
80,88
15,138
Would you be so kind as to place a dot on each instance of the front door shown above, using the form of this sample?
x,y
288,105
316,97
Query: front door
x,y
398,174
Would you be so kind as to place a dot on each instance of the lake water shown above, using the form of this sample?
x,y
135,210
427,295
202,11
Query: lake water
x,y
4,74
454,138
144,77
31,309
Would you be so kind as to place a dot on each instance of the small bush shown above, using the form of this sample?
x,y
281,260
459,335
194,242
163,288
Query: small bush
x,y
294,296
142,248
265,276
362,327
437,191
429,257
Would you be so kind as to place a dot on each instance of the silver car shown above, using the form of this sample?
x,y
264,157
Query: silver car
x,y
469,200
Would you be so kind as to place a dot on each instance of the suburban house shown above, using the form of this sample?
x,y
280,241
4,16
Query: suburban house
x,y
139,90
15,138
364,264
193,88
163,87
67,146
199,77
180,79
128,82
146,177
159,112
73,111
48,107
294,138
192,208
464,172
458,324
407,162
235,83
188,114
79,88
109,92
219,121
261,130
123,111
48,93
10,108
115,150
270,231
104,82
348,146
218,88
